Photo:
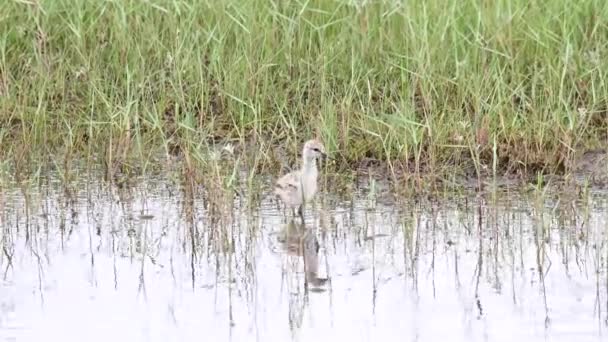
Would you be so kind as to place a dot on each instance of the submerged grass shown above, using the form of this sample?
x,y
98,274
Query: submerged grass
x,y
433,86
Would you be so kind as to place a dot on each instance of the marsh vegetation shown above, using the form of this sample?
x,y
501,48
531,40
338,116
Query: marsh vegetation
x,y
139,143
433,87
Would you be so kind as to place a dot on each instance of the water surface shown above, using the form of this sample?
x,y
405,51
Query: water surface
x,y
155,262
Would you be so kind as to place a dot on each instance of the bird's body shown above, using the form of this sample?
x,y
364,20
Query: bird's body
x,y
300,186
297,187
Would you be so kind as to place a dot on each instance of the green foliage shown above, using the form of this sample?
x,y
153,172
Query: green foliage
x,y
520,83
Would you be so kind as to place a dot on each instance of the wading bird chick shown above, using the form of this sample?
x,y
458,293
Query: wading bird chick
x,y
300,186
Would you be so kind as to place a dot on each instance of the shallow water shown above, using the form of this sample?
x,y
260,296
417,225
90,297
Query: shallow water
x,y
101,263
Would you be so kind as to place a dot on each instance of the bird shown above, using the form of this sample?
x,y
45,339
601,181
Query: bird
x,y
300,186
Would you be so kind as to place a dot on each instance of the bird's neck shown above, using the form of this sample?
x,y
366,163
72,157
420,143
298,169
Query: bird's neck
x,y
309,165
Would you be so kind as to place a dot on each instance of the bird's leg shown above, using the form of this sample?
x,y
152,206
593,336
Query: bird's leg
x,y
301,212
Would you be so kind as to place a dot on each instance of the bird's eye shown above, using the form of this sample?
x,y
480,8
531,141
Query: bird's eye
x,y
315,149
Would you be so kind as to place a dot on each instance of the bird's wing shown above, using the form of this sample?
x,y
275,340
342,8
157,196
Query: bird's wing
x,y
290,180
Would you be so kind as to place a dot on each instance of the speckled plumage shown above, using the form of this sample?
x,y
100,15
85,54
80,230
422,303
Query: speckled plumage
x,y
300,186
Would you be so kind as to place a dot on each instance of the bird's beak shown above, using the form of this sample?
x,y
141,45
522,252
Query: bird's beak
x,y
326,157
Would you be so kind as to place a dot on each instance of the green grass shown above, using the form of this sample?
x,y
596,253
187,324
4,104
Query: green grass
x,y
432,85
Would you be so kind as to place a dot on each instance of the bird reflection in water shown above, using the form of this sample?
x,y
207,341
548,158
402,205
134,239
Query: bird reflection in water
x,y
298,241
302,242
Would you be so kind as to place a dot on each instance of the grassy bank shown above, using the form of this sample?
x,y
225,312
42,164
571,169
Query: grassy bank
x,y
431,85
